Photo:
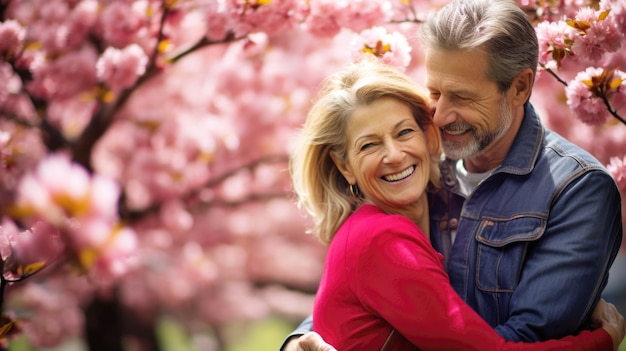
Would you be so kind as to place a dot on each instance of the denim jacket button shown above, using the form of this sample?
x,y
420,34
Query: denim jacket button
x,y
454,223
443,225
449,181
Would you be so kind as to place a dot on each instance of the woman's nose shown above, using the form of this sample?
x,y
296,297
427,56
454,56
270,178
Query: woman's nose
x,y
393,153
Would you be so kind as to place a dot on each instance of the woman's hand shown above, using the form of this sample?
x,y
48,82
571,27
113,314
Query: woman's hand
x,y
606,315
311,341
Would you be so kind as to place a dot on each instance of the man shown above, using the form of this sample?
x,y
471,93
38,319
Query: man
x,y
523,213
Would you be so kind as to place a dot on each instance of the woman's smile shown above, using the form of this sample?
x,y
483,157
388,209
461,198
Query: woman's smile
x,y
401,175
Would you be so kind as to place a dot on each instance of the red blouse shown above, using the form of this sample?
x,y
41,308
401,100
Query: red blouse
x,y
382,273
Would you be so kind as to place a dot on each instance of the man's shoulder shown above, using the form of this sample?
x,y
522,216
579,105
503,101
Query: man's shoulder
x,y
557,149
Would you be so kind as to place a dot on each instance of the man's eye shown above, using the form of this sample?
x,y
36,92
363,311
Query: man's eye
x,y
460,98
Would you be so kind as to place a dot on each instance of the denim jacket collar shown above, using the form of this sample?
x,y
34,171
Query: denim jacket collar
x,y
525,149
521,157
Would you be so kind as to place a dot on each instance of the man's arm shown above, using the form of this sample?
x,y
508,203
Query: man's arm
x,y
304,327
566,270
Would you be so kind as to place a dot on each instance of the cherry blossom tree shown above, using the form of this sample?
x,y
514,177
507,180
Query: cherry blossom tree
x,y
144,147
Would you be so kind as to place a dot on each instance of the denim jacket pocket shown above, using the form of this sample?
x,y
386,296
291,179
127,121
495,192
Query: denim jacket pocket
x,y
502,245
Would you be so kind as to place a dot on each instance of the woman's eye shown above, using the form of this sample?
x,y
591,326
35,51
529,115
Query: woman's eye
x,y
405,131
366,146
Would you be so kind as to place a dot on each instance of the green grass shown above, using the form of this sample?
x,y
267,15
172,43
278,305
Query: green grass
x,y
172,337
267,335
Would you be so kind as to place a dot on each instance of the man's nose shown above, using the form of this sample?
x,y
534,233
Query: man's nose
x,y
443,114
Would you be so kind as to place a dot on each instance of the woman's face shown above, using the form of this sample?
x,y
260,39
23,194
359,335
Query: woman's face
x,y
387,154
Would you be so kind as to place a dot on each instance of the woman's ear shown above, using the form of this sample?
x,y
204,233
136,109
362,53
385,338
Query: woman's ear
x,y
343,168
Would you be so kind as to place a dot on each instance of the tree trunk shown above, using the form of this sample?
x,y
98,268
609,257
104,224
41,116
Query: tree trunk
x,y
109,327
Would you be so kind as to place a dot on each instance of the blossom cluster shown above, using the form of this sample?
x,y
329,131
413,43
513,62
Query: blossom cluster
x,y
588,41
65,200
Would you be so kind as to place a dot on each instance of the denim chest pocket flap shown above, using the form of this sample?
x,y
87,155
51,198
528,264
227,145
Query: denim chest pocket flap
x,y
502,248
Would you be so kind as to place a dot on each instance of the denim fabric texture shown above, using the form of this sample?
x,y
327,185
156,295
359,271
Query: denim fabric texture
x,y
534,240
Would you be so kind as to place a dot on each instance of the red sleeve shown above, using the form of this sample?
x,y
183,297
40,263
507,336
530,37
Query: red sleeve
x,y
400,277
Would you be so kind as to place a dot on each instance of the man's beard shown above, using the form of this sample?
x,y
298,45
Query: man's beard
x,y
456,150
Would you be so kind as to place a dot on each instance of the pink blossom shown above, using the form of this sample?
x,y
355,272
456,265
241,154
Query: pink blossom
x,y
617,15
120,69
327,17
51,310
12,35
56,188
242,18
617,168
66,76
30,58
393,48
359,15
20,151
104,197
322,21
220,305
71,115
81,20
84,209
7,231
61,26
49,26
271,17
9,83
175,216
588,108
554,43
217,14
41,243
113,258
602,36
53,10
121,21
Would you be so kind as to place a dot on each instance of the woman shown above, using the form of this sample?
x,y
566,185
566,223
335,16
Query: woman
x,y
368,155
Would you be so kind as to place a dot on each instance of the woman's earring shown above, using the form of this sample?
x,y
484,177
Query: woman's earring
x,y
354,190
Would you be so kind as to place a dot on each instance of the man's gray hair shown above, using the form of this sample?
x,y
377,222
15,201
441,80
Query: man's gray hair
x,y
498,27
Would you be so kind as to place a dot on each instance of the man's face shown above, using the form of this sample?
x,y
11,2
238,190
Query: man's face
x,y
471,113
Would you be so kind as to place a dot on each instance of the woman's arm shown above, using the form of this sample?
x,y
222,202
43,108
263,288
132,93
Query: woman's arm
x,y
405,283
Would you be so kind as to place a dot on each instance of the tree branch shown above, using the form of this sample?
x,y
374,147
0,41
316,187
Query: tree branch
x,y
604,98
611,110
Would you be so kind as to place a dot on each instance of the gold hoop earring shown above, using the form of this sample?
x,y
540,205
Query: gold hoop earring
x,y
354,190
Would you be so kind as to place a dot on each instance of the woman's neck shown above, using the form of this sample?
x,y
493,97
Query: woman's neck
x,y
416,212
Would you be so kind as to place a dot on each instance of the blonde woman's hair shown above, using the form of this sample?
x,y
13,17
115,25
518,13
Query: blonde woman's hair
x,y
319,186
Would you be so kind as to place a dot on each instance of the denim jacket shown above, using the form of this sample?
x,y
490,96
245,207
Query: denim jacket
x,y
535,240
